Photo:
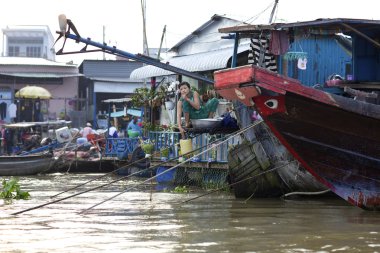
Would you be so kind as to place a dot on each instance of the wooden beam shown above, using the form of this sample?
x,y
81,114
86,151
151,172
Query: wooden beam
x,y
362,34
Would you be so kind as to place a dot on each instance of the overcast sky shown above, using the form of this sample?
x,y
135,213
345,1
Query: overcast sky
x,y
123,20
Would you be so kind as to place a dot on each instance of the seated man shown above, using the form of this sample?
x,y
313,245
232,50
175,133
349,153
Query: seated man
x,y
87,130
190,105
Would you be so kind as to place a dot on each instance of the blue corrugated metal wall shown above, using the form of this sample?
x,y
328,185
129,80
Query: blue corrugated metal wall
x,y
324,57
367,60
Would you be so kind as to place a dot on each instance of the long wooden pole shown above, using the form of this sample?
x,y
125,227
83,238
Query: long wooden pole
x,y
145,39
162,39
273,10
150,168
377,44
179,164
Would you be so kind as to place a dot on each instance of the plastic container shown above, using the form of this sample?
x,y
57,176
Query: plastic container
x,y
186,146
63,134
165,177
169,105
133,134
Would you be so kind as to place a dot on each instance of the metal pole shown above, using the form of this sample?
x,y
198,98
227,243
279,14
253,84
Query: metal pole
x,y
234,56
140,58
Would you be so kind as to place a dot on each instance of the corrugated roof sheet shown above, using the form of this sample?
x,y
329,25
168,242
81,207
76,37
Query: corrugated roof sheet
x,y
109,68
41,75
116,80
117,100
214,18
211,60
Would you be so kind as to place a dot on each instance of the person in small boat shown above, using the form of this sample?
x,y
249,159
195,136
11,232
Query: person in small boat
x,y
112,131
87,130
192,107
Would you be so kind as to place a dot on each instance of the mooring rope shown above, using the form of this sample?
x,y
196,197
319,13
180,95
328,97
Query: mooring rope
x,y
176,166
140,171
305,193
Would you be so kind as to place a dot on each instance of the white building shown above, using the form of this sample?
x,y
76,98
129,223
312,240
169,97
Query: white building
x,y
28,41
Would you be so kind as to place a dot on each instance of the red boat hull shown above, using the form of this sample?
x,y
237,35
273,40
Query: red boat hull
x,y
336,138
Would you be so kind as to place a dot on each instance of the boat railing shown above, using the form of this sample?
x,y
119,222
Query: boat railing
x,y
116,147
162,139
119,147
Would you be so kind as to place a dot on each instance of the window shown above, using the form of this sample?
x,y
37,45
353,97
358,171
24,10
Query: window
x,y
13,51
33,51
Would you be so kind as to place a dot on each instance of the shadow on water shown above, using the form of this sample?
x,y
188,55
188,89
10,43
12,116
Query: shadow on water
x,y
144,220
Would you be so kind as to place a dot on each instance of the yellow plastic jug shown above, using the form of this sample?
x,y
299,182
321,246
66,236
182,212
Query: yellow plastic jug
x,y
186,146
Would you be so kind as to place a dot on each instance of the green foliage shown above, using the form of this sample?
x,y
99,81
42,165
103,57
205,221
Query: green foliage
x,y
11,190
165,152
149,126
148,97
181,189
142,97
193,88
213,185
162,92
148,148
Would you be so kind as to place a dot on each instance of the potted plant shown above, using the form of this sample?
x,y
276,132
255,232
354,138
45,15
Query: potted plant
x,y
142,97
148,148
164,153
165,92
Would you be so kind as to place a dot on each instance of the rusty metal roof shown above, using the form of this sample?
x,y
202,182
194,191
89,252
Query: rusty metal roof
x,y
320,23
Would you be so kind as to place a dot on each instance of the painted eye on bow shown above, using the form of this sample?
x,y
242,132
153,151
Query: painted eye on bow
x,y
272,103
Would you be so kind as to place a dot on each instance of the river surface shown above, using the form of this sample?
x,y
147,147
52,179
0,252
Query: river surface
x,y
145,220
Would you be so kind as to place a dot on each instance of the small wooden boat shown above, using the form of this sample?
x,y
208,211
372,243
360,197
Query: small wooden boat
x,y
25,165
84,166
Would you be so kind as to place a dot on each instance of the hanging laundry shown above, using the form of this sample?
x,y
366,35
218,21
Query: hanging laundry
x,y
301,64
259,54
279,42
12,110
3,110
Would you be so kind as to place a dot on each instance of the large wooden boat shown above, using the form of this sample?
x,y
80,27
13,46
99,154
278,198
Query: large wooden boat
x,y
263,168
336,137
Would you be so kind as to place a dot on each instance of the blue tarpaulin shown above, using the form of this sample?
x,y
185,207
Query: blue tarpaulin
x,y
134,112
118,114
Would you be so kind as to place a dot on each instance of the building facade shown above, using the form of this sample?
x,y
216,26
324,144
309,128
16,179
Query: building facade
x,y
28,41
106,79
28,59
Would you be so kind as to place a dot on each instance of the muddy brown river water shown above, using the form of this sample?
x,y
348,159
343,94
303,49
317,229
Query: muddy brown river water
x,y
146,220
